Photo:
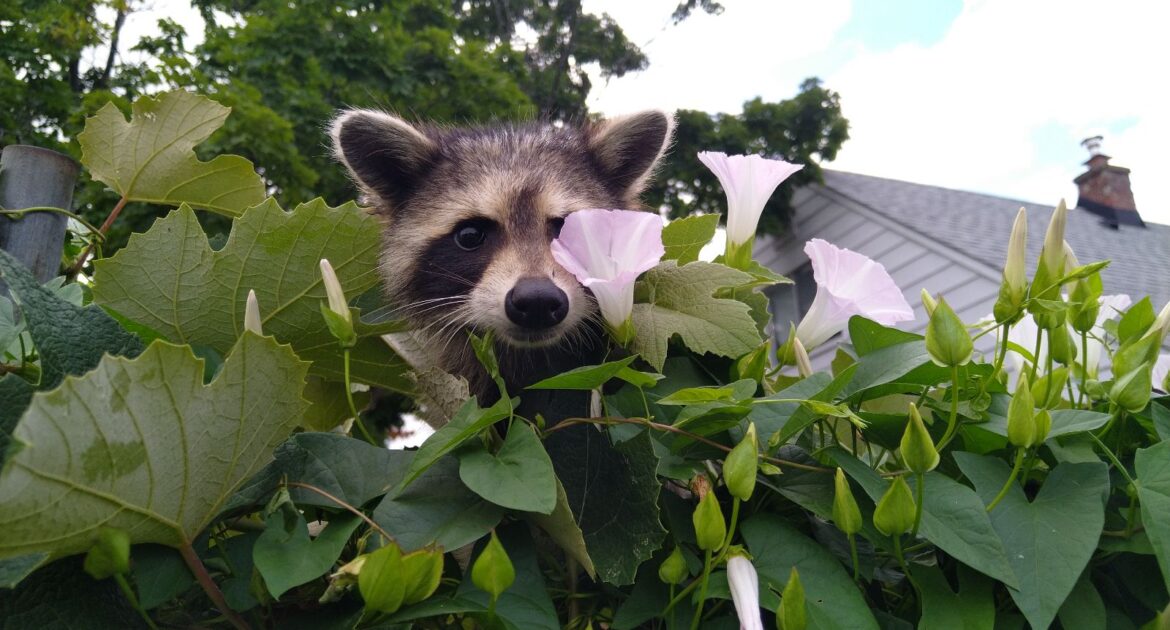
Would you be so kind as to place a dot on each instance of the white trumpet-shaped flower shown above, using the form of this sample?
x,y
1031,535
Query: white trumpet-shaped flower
x,y
748,181
606,250
848,284
252,321
745,592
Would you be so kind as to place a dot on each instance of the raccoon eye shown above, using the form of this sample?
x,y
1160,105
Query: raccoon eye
x,y
470,236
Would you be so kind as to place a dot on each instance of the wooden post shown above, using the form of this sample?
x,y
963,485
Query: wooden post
x,y
34,177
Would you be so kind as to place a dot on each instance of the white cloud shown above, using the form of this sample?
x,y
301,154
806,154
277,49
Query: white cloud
x,y
965,111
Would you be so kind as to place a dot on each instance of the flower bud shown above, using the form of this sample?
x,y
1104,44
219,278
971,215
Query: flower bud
x,y
710,528
744,584
252,321
792,614
928,302
1132,355
1053,255
739,469
1021,425
1063,348
846,514
673,570
1047,389
337,316
918,451
700,485
421,572
109,555
753,365
894,514
493,571
380,579
803,363
1013,290
1085,302
1049,270
947,339
1043,425
1132,391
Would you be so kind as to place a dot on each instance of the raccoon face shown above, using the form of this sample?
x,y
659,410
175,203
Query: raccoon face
x,y
469,215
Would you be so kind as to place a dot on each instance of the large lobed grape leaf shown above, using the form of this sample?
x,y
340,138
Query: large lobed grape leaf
x,y
143,445
672,300
195,295
151,158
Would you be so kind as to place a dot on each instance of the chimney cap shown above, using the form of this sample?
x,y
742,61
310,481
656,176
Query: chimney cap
x,y
1093,145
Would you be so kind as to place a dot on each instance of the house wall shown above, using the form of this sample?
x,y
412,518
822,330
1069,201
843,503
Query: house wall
x,y
913,261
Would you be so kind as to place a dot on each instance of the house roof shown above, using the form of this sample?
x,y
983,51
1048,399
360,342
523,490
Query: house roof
x,y
978,226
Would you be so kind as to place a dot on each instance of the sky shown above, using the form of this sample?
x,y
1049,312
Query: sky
x,y
992,96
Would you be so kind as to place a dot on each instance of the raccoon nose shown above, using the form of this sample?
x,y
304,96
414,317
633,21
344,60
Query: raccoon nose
x,y
536,303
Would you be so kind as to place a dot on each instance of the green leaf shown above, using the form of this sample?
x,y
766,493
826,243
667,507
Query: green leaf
x,y
562,528
1050,540
526,604
286,556
519,477
196,295
151,158
1152,466
60,596
1064,422
69,339
832,598
613,492
1084,608
672,300
893,364
586,377
13,570
160,574
953,518
684,238
436,508
346,468
15,396
638,378
157,459
1135,321
697,395
868,336
328,405
467,423
972,608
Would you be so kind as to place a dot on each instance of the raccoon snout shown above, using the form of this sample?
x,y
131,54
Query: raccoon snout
x,y
536,303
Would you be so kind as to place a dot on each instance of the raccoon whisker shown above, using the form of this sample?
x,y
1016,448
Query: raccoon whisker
x,y
443,272
420,308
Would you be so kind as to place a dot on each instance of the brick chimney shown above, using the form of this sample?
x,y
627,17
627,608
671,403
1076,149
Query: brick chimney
x,y
1104,189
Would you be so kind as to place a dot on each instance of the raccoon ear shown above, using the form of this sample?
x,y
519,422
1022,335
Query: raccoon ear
x,y
628,147
384,153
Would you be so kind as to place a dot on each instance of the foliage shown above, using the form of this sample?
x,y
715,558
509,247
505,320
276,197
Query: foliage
x,y
115,431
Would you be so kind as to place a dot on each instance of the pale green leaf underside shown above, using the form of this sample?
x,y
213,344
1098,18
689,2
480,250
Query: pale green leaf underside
x,y
673,300
197,296
151,158
144,446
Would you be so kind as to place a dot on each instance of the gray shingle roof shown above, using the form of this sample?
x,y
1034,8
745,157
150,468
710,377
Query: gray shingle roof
x,y
978,225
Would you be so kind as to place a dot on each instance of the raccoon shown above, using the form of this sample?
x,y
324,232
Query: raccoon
x,y
469,214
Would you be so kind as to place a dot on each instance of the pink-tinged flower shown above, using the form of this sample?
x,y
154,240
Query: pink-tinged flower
x,y
745,592
848,284
748,181
606,250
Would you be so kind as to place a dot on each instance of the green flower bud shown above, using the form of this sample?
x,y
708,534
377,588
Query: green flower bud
x,y
753,365
336,312
1043,425
894,514
421,572
109,555
1049,270
380,579
1085,303
673,570
1143,351
493,571
710,528
1013,290
1021,425
1132,391
792,612
739,469
1047,390
947,338
846,514
918,451
1053,256
252,321
1063,348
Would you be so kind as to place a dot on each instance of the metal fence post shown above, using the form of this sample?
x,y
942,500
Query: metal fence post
x,y
34,177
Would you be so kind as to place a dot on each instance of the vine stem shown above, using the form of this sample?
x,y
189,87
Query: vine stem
x,y
133,599
853,555
343,504
564,424
921,486
953,422
17,214
702,590
357,418
210,587
102,230
1036,355
1084,367
1011,479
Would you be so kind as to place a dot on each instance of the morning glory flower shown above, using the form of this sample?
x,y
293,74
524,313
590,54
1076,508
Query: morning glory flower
x,y
848,284
745,592
606,250
748,181
252,321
